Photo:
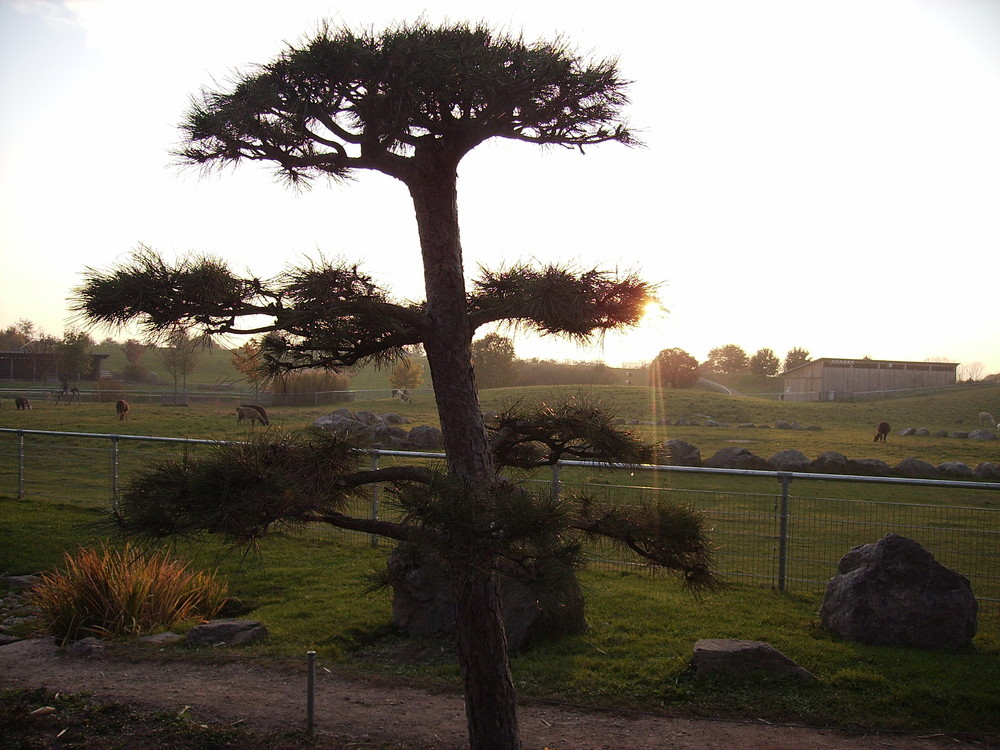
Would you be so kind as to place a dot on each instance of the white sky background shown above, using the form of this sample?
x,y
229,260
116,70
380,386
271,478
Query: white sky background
x,y
818,173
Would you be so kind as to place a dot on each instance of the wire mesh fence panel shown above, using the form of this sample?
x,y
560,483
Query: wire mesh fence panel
x,y
788,541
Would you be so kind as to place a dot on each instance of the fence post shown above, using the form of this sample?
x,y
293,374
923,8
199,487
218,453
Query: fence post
x,y
375,493
114,473
555,482
20,465
783,531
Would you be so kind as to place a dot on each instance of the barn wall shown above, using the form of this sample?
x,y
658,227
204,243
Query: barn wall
x,y
846,379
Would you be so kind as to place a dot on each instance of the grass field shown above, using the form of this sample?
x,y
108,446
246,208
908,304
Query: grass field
x,y
636,654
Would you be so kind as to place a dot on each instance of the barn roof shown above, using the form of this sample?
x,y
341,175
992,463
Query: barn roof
x,y
841,361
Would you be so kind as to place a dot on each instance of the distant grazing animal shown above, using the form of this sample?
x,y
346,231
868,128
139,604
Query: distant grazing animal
x,y
881,430
402,394
68,392
22,403
248,412
260,410
121,406
986,420
959,421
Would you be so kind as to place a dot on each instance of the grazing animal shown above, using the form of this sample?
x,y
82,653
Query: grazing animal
x,y
68,392
121,406
22,402
248,412
881,430
986,420
402,394
260,410
959,421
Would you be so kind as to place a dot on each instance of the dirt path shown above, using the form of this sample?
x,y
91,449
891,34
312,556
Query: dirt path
x,y
272,697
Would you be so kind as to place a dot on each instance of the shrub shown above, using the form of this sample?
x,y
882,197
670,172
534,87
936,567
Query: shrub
x,y
122,592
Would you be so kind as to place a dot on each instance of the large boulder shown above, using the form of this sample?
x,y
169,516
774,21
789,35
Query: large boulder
x,y
789,460
679,453
987,470
735,457
830,462
914,468
893,592
540,603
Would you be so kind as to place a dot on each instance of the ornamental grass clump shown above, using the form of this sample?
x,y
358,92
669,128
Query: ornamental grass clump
x,y
123,592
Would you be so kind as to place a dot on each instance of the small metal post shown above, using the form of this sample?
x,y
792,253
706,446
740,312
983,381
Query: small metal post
x,y
375,496
20,465
114,473
783,531
555,482
310,691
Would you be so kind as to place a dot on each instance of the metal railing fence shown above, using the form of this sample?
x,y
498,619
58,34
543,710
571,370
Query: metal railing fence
x,y
773,537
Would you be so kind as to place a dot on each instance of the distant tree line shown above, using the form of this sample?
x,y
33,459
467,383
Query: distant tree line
x,y
676,368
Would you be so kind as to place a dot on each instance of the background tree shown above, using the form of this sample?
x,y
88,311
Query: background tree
x,y
180,355
15,336
972,372
411,102
406,374
729,359
73,355
494,361
134,350
674,368
796,357
764,362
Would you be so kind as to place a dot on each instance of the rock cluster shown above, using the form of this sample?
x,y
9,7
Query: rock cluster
x,y
382,430
681,453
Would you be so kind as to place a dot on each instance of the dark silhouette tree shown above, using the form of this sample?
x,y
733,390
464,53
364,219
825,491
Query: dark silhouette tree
x,y
764,362
674,368
73,353
796,357
494,361
729,359
409,102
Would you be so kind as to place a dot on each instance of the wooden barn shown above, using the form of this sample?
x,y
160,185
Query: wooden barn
x,y
862,379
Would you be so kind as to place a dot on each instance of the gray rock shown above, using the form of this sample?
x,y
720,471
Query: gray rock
x,y
955,470
85,647
426,437
983,435
735,457
914,468
941,433
679,453
893,592
960,434
830,462
230,632
923,431
907,431
20,582
987,470
161,639
714,656
789,460
868,467
539,603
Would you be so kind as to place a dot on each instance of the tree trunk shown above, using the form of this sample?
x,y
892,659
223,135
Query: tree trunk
x,y
490,700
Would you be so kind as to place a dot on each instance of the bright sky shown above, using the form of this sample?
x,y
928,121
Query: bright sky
x,y
817,173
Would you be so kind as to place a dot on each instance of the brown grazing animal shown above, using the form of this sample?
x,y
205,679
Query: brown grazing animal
x,y
22,403
260,410
248,412
121,406
881,430
986,420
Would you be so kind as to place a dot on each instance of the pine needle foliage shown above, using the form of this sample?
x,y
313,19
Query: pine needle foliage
x,y
122,592
241,490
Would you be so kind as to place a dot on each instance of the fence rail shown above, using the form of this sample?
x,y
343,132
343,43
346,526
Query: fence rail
x,y
764,532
